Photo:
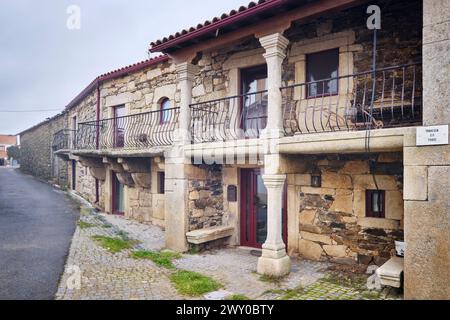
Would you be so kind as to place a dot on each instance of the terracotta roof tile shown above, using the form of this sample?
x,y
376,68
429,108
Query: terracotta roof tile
x,y
215,20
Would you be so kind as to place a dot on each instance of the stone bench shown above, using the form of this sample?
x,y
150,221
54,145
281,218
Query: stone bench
x,y
390,274
208,235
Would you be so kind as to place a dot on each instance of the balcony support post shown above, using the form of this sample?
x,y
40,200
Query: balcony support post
x,y
275,46
186,72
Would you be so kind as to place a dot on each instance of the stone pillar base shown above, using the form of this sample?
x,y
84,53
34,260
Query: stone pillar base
x,y
272,267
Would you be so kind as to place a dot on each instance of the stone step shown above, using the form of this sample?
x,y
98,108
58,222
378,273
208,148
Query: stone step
x,y
391,272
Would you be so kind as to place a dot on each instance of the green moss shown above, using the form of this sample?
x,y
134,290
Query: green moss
x,y
293,294
193,284
115,245
84,225
194,250
355,281
237,297
163,259
270,279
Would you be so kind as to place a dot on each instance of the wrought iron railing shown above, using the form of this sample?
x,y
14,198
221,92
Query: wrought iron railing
x,y
388,97
237,117
138,131
64,140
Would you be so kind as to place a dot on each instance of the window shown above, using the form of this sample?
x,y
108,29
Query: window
x,y
322,66
161,181
119,126
165,110
2,148
375,203
254,99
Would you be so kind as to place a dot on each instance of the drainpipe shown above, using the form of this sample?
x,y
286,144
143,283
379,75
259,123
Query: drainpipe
x,y
97,141
97,128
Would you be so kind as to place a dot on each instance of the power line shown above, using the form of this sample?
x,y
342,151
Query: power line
x,y
30,111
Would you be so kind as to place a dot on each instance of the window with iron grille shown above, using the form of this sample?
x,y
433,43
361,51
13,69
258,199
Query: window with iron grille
x,y
375,203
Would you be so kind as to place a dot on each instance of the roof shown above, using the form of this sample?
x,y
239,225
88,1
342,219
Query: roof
x,y
8,139
233,20
115,74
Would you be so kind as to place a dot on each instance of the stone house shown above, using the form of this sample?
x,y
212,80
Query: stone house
x,y
6,141
269,127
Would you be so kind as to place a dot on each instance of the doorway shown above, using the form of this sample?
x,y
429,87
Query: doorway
x,y
74,175
118,206
254,209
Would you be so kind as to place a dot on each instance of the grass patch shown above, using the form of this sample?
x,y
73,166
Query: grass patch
x,y
237,297
293,294
350,281
193,284
114,245
270,279
84,225
163,259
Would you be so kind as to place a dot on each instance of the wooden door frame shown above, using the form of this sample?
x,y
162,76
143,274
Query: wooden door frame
x,y
245,188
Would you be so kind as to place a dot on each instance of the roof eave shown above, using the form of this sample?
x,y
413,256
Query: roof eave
x,y
217,25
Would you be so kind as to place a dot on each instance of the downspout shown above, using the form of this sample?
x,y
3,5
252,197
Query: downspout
x,y
97,141
97,128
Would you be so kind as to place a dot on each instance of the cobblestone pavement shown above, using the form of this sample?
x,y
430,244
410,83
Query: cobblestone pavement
x,y
118,277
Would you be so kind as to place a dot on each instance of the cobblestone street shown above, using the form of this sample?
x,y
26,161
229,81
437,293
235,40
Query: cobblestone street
x,y
119,276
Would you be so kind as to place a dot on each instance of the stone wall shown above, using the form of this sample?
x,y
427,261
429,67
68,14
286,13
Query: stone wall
x,y
85,184
217,77
146,204
37,157
332,219
141,91
399,41
206,202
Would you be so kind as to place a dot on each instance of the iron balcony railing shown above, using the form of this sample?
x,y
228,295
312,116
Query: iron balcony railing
x,y
138,131
389,97
63,140
237,117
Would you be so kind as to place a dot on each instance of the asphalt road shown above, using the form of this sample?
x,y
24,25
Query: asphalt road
x,y
37,223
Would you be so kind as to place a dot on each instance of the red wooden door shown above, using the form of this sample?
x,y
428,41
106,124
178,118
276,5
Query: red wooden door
x,y
254,209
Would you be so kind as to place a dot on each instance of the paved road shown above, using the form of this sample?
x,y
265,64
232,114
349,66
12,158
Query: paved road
x,y
36,227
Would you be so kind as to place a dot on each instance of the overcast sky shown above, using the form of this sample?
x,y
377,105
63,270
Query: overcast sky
x,y
44,65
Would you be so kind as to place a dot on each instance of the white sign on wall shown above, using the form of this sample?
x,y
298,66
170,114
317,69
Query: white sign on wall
x,y
432,136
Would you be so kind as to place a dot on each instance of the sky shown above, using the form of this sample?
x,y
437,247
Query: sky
x,y
44,64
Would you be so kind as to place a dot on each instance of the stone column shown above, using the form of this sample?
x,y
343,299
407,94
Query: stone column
x,y
186,72
275,46
274,261
427,169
